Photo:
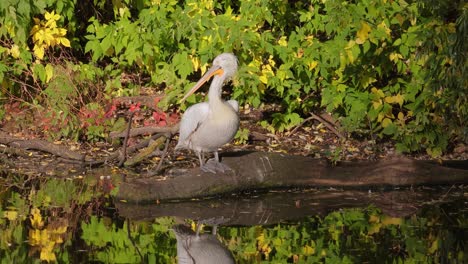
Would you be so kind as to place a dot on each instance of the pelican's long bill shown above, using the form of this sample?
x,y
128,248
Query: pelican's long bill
x,y
215,70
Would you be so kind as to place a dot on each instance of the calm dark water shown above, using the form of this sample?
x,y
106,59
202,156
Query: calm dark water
x,y
79,221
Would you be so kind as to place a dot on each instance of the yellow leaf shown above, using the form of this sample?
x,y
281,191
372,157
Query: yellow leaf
x,y
401,116
399,99
49,69
36,218
261,238
283,41
271,62
34,30
363,33
378,92
34,237
52,16
382,25
386,122
377,104
312,65
195,62
374,219
47,36
351,58
299,53
14,51
367,80
44,237
350,44
47,253
61,229
308,250
395,56
263,78
37,21
61,32
434,246
396,99
391,220
51,24
10,215
39,51
389,99
380,116
65,42
203,68
374,228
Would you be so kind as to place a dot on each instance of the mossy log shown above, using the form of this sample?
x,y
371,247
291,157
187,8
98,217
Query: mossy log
x,y
259,170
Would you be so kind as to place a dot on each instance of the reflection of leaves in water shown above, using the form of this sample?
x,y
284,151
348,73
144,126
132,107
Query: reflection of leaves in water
x,y
45,238
60,193
348,236
45,228
112,244
29,233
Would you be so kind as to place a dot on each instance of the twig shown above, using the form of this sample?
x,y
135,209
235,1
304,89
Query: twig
x,y
123,155
168,139
445,195
321,120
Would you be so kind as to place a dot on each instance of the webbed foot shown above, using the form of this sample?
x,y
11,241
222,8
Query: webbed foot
x,y
214,166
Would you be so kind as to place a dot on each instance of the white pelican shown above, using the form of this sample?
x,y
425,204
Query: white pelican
x,y
209,125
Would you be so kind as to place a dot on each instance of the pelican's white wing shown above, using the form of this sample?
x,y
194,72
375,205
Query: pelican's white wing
x,y
191,120
234,104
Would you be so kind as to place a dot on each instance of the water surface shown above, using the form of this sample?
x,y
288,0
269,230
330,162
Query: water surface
x,y
77,220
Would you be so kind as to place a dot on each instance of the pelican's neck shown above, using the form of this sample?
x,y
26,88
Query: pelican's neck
x,y
214,94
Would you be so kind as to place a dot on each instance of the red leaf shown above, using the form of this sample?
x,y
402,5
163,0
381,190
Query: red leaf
x,y
111,111
134,107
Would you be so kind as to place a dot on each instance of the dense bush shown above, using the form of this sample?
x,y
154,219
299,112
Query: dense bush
x,y
391,69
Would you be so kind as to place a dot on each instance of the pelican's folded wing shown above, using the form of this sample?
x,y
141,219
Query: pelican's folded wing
x,y
191,120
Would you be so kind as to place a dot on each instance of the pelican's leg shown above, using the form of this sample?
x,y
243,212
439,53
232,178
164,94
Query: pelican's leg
x,y
201,158
198,225
214,165
214,221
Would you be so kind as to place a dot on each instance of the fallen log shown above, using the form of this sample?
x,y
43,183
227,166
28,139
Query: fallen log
x,y
258,170
41,145
148,130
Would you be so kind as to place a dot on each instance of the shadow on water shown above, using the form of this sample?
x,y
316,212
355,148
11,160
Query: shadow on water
x,y
77,220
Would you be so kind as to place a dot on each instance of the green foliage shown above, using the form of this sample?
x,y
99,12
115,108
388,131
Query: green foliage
x,y
242,136
395,69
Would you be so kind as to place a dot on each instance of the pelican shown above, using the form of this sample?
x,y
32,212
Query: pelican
x,y
209,125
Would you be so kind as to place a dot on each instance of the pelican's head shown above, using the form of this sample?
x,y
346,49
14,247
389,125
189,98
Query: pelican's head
x,y
227,62
224,66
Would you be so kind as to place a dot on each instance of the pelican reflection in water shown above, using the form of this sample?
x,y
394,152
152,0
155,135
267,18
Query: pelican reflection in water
x,y
209,125
194,248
